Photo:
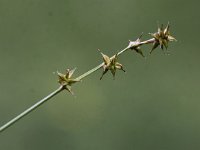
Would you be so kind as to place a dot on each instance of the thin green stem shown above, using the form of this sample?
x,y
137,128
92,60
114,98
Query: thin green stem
x,y
119,53
61,88
89,72
162,37
30,109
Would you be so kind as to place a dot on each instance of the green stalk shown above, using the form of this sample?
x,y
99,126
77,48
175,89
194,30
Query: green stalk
x,y
62,87
30,109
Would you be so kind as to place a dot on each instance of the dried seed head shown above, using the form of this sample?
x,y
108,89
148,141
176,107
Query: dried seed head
x,y
162,38
110,64
66,79
135,45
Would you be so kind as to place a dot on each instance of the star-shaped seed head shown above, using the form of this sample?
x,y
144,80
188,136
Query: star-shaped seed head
x,y
66,79
162,38
135,45
110,64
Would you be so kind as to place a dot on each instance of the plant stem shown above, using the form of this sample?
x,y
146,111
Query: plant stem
x,y
30,109
119,53
162,37
33,107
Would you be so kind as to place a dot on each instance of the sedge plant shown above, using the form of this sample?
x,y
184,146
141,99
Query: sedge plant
x,y
161,38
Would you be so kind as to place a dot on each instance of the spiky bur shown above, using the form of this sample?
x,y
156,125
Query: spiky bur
x,y
66,79
135,45
110,64
162,38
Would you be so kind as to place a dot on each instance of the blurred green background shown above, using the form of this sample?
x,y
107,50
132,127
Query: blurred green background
x,y
154,106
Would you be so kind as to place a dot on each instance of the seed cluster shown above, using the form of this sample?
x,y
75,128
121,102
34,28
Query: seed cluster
x,y
160,38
